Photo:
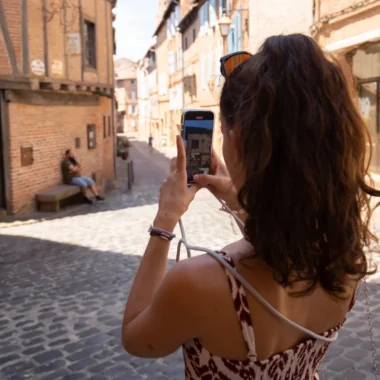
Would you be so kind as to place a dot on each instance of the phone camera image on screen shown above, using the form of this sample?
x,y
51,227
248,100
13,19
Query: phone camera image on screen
x,y
197,136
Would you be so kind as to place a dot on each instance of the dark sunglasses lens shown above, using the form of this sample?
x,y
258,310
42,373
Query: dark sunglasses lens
x,y
231,63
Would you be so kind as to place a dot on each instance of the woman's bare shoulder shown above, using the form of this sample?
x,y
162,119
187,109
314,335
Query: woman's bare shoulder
x,y
204,271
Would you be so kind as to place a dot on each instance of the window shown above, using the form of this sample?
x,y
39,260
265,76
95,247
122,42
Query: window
x,y
109,126
171,62
177,15
232,38
179,59
90,44
104,126
212,11
239,34
133,81
204,17
133,95
366,68
228,7
194,144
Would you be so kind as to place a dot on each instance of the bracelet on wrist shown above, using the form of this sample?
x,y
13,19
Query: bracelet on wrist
x,y
165,235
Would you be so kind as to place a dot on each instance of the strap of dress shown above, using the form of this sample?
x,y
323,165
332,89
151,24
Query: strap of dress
x,y
243,282
241,306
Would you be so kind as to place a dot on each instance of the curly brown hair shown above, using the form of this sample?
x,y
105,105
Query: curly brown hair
x,y
303,147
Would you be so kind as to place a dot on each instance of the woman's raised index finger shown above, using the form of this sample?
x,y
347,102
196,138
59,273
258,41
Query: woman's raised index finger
x,y
181,154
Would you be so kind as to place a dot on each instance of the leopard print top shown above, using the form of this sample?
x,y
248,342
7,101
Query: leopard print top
x,y
297,363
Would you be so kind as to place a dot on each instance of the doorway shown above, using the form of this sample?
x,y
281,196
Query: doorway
x,y
2,174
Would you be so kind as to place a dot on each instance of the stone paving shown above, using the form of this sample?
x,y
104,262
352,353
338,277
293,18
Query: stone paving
x,y
64,284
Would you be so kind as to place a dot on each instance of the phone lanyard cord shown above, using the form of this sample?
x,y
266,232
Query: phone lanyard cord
x,y
237,275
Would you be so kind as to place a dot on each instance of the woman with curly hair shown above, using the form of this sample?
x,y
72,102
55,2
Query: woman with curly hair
x,y
295,171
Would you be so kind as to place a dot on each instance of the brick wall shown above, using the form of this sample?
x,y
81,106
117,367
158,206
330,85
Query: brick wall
x,y
35,30
12,10
5,64
50,133
12,13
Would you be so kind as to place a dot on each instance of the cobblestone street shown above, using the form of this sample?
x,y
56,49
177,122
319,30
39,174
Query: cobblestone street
x,y
64,283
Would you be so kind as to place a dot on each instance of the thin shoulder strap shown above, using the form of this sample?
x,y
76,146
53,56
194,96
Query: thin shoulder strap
x,y
261,299
241,305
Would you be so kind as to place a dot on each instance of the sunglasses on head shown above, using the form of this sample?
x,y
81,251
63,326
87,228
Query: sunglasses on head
x,y
232,61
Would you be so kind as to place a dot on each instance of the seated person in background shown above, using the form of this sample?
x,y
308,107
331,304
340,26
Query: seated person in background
x,y
71,176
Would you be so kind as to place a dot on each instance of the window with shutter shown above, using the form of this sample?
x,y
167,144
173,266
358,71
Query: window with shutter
x,y
236,32
202,20
228,7
239,29
212,10
218,55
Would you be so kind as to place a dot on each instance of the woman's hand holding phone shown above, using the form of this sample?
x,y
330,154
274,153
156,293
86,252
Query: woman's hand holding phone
x,y
219,182
175,195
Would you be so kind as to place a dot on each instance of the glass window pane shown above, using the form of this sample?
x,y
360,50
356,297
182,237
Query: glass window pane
x,y
368,94
366,62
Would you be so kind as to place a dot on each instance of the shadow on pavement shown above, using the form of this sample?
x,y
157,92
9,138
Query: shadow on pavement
x,y
61,310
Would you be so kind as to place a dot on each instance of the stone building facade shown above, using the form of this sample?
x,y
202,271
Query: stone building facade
x,y
189,47
350,30
126,94
56,93
274,17
148,117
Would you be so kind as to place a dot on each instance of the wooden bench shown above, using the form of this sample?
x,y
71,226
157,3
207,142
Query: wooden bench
x,y
50,200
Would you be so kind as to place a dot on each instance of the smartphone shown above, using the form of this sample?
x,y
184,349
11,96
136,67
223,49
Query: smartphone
x,y
197,130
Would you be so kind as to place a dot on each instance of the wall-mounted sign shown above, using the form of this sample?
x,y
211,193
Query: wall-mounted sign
x,y
37,67
57,67
73,42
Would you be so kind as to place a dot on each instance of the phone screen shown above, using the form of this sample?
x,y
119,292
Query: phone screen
x,y
197,130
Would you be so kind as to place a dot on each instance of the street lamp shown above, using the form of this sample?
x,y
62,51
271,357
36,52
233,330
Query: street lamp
x,y
224,26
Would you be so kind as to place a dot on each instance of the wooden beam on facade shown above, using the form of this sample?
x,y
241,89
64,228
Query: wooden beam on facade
x,y
8,40
34,84
56,86
50,98
4,119
69,87
25,37
15,83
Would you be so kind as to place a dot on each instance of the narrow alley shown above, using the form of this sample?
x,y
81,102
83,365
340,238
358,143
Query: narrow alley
x,y
64,284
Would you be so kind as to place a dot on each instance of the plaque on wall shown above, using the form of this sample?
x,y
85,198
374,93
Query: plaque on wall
x,y
73,42
26,155
57,67
37,67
